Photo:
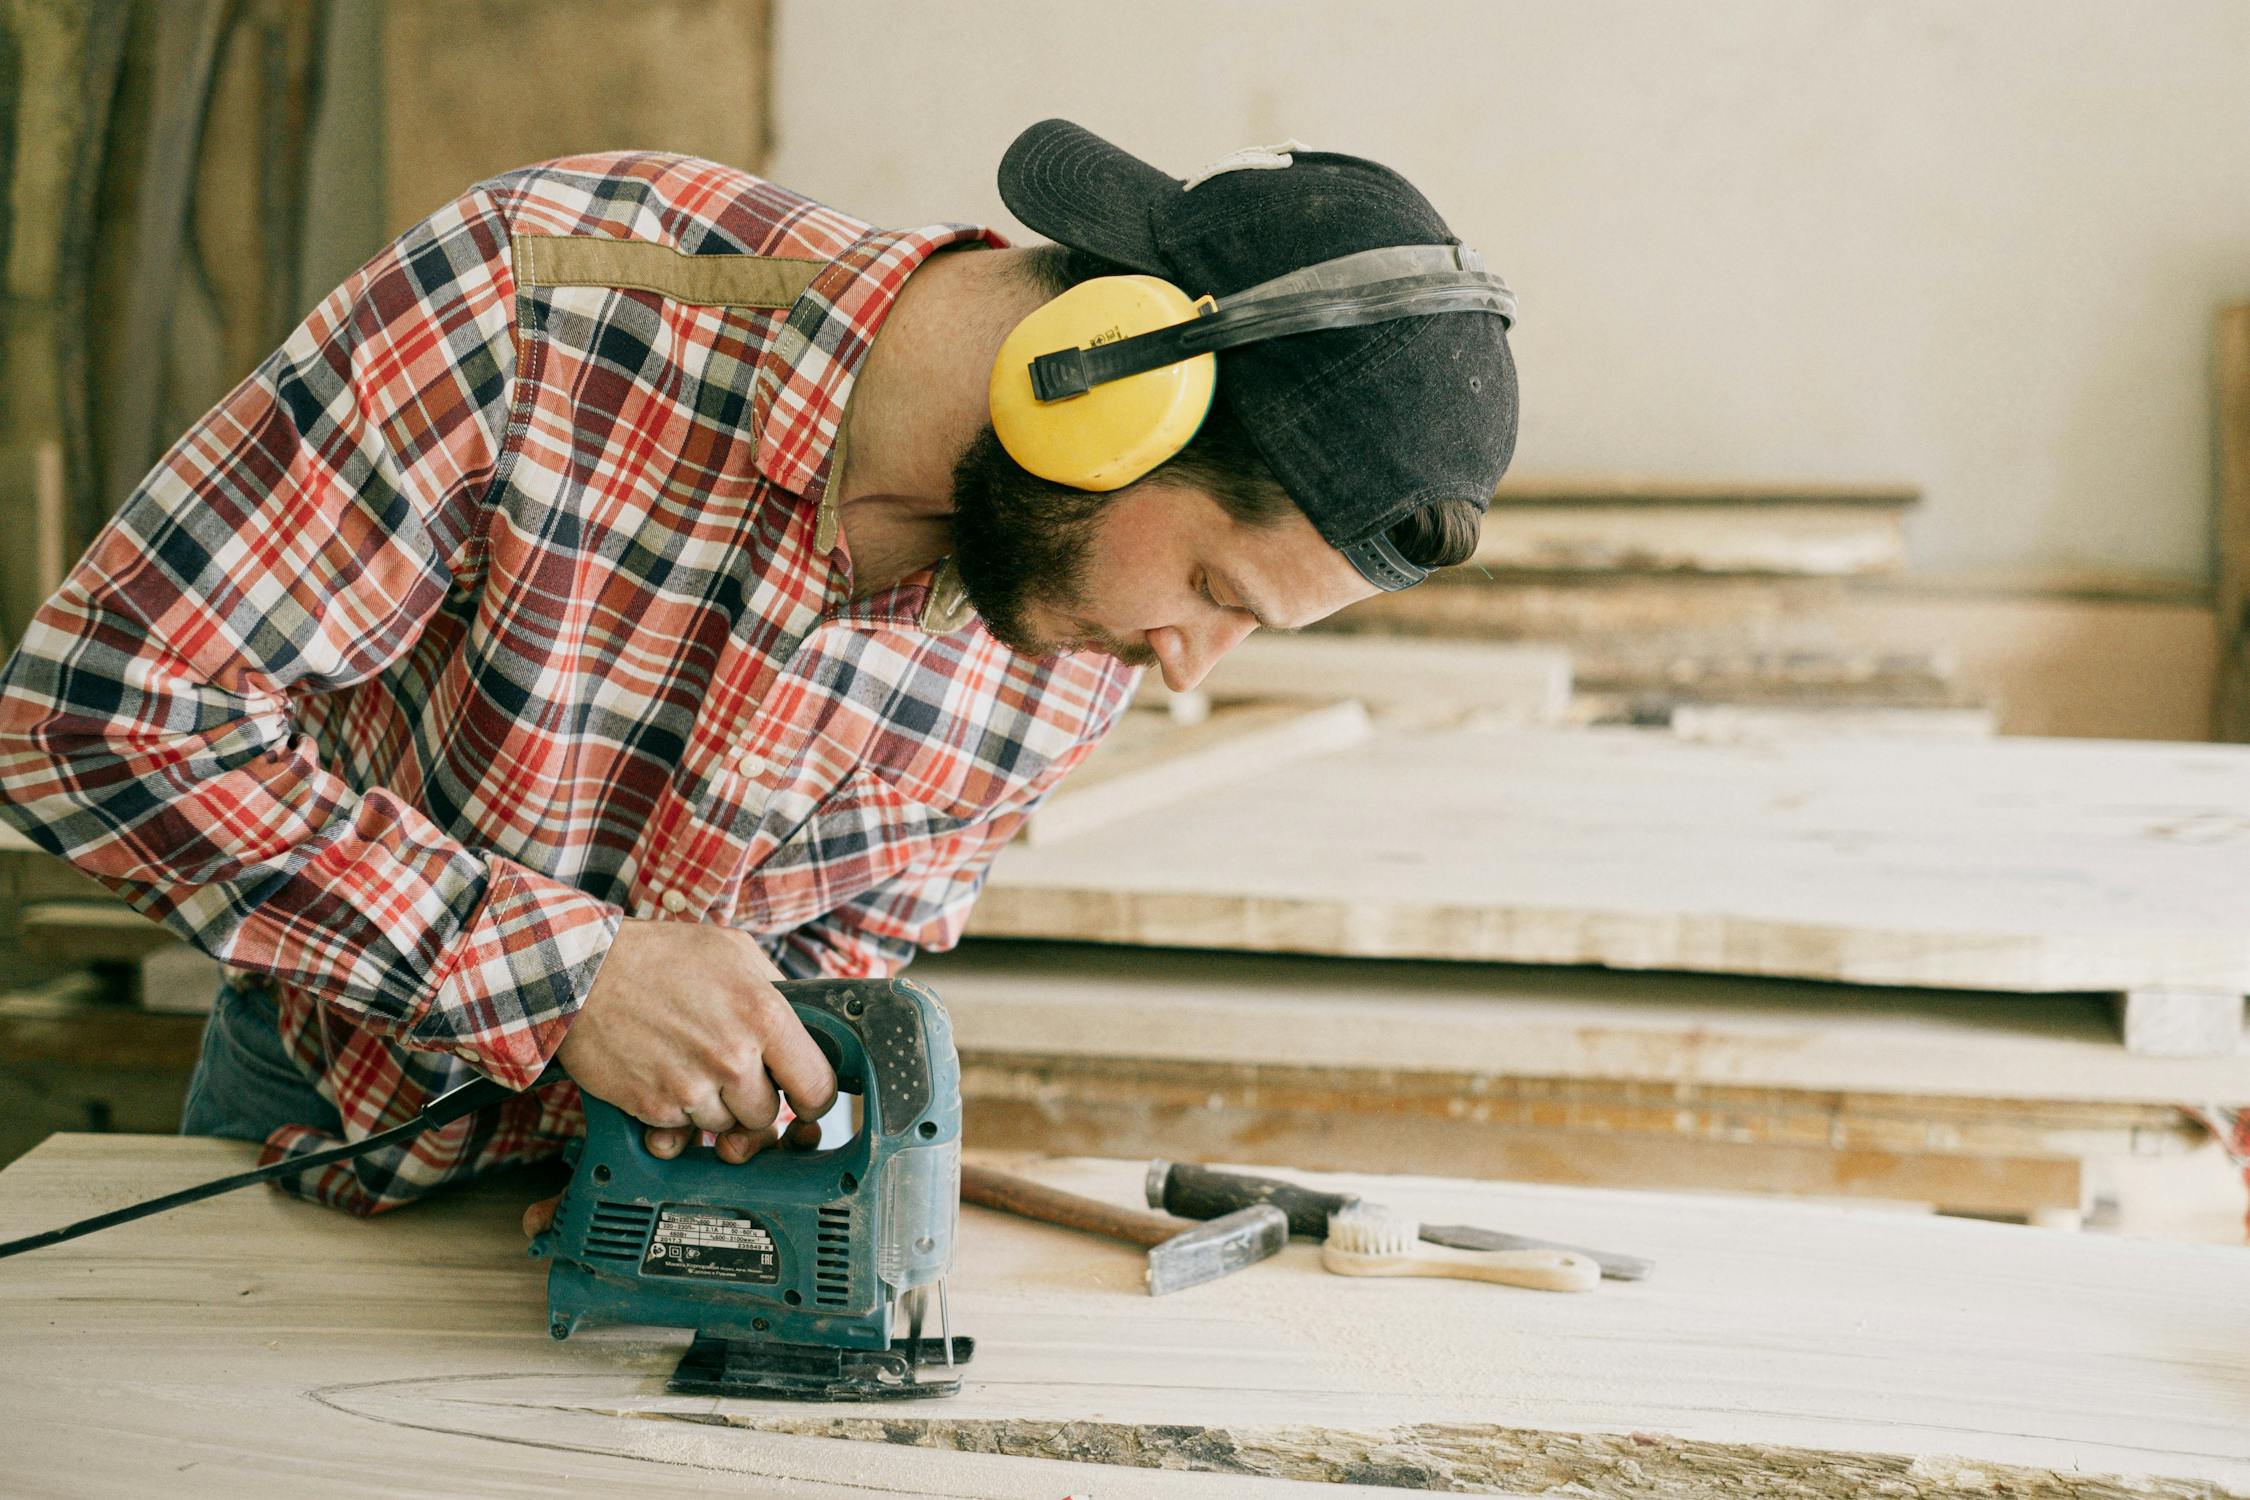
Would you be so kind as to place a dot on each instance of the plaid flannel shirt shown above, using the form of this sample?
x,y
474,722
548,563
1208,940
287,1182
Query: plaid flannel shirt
x,y
504,601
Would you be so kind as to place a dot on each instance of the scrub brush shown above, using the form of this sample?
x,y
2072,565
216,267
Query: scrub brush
x,y
1366,1241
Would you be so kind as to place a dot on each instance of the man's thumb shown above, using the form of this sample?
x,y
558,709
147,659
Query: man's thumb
x,y
538,1217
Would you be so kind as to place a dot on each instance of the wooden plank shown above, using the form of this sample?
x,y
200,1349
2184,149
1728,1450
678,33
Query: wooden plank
x,y
272,1348
75,1058
2177,1021
1492,1022
1699,538
1150,758
1646,491
1971,1157
1742,723
1069,1110
2024,865
2083,668
2231,365
2087,657
1517,684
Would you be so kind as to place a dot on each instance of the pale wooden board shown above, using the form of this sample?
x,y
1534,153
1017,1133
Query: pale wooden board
x,y
1698,538
252,1346
1125,1004
1150,758
257,1348
1641,491
2086,657
2021,865
1518,684
1730,723
1354,1125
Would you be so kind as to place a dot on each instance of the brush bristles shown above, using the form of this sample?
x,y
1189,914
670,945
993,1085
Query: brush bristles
x,y
1361,1230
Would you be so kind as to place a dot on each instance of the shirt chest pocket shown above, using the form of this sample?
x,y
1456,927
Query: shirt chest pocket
x,y
863,833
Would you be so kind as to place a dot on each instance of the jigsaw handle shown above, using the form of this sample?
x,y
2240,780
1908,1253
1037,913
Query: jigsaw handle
x,y
902,1060
910,1081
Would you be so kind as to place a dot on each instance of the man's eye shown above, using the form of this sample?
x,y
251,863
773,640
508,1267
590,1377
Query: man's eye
x,y
1203,587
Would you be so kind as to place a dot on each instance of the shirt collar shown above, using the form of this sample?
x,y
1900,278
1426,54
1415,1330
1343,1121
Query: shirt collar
x,y
806,377
805,382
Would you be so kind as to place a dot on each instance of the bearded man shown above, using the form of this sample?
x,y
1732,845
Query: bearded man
x,y
616,597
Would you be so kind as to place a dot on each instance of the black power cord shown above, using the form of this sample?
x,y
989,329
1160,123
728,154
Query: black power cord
x,y
443,1110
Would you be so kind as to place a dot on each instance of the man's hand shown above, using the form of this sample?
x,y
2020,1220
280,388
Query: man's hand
x,y
685,1031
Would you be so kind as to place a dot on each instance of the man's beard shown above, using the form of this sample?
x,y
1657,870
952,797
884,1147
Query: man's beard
x,y
1019,542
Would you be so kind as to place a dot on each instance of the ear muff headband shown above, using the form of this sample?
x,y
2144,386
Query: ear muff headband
x,y
1136,372
1374,286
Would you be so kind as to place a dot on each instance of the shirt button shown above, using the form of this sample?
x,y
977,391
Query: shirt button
x,y
749,762
673,901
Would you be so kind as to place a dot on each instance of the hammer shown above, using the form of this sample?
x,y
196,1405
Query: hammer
x,y
1182,1252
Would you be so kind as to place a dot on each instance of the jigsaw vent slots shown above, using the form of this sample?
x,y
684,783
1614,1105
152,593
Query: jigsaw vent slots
x,y
832,1261
619,1231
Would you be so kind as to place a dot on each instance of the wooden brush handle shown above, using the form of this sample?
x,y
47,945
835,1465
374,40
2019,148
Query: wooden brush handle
x,y
1541,1270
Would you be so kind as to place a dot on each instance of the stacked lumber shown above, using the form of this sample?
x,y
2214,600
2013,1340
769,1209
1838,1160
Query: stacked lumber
x,y
1639,525
1975,928
2031,866
1673,599
1970,1103
268,1347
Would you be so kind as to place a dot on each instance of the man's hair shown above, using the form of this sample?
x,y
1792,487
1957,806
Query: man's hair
x,y
1222,460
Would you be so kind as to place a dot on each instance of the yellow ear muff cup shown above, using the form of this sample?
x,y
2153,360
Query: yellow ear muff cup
x,y
1116,432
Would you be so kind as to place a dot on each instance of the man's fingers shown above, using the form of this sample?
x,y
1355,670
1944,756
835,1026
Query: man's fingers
x,y
802,1135
664,1141
752,1100
716,1116
798,1065
738,1146
541,1215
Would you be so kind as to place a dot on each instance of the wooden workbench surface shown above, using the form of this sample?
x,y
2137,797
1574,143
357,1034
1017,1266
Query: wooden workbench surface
x,y
253,1346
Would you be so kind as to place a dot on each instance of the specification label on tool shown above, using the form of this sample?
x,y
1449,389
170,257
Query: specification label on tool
x,y
711,1244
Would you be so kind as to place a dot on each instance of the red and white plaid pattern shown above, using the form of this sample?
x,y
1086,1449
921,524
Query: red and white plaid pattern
x,y
482,615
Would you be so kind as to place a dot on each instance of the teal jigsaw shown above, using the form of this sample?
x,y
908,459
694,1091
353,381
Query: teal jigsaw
x,y
794,1267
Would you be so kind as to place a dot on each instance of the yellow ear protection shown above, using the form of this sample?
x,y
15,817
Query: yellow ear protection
x,y
1107,381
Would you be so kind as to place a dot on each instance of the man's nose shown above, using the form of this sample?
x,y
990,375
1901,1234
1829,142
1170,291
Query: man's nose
x,y
1186,654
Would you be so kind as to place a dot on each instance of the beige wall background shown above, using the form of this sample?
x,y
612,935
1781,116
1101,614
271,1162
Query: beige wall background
x,y
1972,244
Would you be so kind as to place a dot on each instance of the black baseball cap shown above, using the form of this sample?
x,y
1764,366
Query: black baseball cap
x,y
1361,425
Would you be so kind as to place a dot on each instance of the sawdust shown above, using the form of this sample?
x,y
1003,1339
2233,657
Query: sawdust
x,y
1470,1460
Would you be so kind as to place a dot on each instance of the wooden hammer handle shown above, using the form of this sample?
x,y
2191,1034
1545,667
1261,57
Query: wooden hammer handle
x,y
1035,1200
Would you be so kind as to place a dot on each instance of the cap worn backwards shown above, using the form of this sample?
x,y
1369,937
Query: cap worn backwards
x,y
1361,425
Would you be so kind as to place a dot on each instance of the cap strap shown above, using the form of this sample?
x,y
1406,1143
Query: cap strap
x,y
1381,563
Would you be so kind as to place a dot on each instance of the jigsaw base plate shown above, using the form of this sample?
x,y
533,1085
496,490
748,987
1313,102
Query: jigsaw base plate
x,y
718,1366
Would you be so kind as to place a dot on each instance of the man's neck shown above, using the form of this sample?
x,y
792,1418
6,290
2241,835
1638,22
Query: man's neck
x,y
918,401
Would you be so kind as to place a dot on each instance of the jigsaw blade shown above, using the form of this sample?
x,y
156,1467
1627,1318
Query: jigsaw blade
x,y
917,1302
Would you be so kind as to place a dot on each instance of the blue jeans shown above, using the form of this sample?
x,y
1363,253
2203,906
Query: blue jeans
x,y
246,1085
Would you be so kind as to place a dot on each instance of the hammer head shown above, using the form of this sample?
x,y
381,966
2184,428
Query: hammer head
x,y
1211,1250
